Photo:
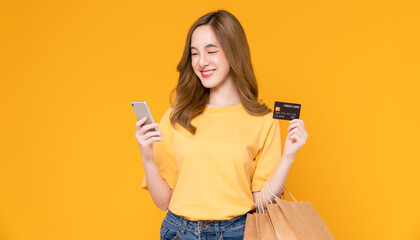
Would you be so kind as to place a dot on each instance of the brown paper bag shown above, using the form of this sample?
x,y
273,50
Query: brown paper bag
x,y
280,224
304,220
301,217
285,220
250,227
265,229
258,226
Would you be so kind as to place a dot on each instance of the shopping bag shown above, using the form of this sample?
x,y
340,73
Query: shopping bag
x,y
250,227
280,224
289,220
258,225
304,220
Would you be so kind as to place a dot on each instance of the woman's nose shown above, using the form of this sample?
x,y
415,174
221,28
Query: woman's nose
x,y
203,61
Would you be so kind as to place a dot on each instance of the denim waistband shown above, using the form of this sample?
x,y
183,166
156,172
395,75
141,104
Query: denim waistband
x,y
180,221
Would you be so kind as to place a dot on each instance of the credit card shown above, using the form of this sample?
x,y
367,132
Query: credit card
x,y
286,111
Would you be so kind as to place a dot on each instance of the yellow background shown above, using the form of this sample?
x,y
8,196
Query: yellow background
x,y
70,164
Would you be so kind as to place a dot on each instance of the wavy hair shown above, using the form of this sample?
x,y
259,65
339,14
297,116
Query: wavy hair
x,y
191,96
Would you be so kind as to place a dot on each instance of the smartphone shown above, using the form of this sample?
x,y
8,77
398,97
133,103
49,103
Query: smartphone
x,y
142,110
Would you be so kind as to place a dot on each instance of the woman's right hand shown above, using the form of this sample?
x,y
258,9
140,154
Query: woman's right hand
x,y
146,138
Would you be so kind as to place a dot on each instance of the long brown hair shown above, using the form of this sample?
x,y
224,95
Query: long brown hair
x,y
191,96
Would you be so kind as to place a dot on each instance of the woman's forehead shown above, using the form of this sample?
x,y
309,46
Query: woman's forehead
x,y
204,36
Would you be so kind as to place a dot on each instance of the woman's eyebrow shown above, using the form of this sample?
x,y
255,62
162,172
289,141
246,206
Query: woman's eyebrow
x,y
207,46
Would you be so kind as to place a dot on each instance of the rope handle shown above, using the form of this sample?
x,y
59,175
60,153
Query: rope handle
x,y
282,192
263,193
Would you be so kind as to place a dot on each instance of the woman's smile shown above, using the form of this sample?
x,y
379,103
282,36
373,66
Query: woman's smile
x,y
207,73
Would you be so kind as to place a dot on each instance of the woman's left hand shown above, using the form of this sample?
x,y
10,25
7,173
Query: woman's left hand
x,y
295,139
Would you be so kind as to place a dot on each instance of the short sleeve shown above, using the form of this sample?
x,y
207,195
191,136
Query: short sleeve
x,y
163,153
268,157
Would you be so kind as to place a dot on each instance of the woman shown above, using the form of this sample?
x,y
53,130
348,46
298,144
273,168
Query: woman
x,y
221,144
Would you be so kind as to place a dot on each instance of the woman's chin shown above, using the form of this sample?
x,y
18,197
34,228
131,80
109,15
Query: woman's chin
x,y
206,84
210,83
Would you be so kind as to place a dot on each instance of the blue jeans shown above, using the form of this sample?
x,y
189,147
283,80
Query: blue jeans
x,y
180,228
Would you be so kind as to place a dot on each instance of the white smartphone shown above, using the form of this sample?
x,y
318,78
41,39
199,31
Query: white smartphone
x,y
142,110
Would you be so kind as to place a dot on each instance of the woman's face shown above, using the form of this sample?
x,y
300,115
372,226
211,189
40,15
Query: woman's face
x,y
208,59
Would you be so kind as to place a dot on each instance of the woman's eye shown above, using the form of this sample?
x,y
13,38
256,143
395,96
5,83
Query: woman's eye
x,y
197,53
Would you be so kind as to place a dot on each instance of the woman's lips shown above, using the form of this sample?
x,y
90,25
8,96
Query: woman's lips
x,y
206,74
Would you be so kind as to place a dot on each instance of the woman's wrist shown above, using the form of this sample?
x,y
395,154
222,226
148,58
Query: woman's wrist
x,y
148,160
288,158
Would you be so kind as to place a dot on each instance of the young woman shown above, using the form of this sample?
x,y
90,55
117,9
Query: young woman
x,y
221,144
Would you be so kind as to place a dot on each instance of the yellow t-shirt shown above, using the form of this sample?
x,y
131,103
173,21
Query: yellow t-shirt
x,y
214,171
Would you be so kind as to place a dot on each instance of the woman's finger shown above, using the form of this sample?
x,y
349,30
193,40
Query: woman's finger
x,y
294,134
153,139
293,131
301,123
298,121
151,134
301,139
292,126
140,122
147,127
300,129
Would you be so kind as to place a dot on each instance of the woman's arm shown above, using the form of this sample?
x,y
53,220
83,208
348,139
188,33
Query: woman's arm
x,y
276,184
159,189
295,139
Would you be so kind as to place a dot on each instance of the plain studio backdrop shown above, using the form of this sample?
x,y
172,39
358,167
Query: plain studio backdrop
x,y
70,166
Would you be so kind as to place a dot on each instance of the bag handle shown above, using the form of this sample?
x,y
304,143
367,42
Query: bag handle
x,y
264,196
282,194
289,194
261,196
263,193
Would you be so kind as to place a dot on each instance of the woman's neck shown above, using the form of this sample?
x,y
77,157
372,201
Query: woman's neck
x,y
224,95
